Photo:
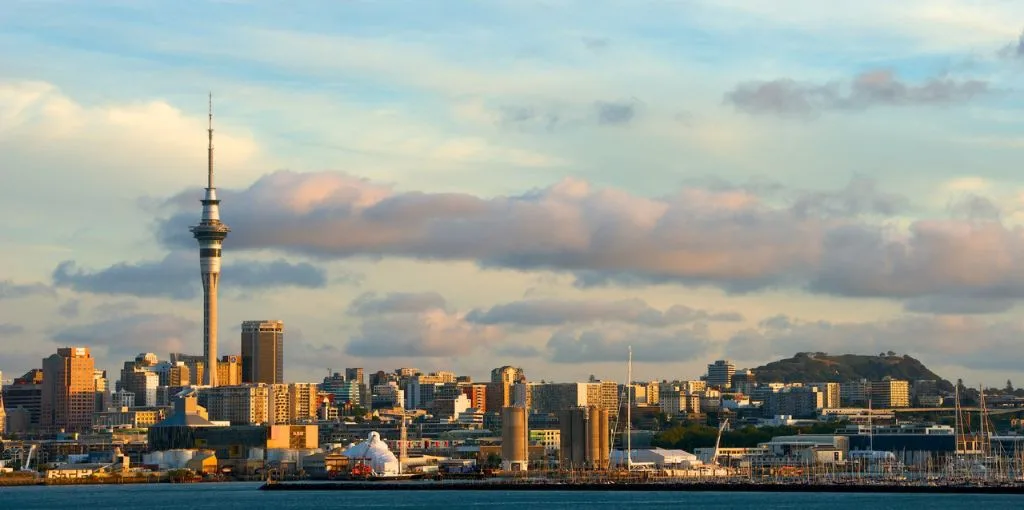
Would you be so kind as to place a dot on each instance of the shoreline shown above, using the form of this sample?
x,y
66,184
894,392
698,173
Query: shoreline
x,y
642,487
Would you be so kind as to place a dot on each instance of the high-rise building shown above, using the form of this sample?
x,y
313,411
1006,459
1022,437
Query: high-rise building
x,y
477,393
744,381
720,374
229,370
293,403
69,391
25,394
354,374
263,352
102,387
210,234
141,377
890,393
831,392
499,391
241,405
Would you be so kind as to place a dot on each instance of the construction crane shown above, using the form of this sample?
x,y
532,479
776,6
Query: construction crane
x,y
28,460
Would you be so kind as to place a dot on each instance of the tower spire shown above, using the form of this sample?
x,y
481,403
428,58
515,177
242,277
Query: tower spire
x,y
209,150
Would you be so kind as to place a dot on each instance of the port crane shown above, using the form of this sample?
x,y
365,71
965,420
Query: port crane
x,y
28,460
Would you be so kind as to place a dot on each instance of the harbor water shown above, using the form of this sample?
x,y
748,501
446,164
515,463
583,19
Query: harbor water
x,y
246,496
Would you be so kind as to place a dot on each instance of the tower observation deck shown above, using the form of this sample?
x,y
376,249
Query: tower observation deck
x,y
210,234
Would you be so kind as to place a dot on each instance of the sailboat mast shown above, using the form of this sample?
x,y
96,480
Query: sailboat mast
x,y
956,420
629,411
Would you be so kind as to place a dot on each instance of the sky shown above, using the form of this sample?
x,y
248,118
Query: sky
x,y
541,183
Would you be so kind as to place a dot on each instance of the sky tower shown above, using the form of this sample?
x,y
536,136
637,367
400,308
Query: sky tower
x,y
210,233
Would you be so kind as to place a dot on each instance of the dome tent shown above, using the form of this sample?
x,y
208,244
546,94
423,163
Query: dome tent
x,y
375,452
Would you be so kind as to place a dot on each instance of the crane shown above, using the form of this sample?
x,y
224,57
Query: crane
x,y
28,460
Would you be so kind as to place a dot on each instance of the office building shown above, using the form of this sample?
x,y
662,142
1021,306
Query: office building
x,y
744,381
69,391
263,352
25,394
720,374
890,393
102,388
831,393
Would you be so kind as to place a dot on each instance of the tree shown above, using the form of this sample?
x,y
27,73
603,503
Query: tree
x,y
1009,386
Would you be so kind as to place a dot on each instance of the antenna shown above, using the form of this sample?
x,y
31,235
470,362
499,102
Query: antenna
x,y
209,150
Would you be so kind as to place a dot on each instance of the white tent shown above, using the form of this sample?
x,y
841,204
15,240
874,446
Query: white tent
x,y
374,452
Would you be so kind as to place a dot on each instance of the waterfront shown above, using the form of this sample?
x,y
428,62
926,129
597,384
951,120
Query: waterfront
x,y
247,496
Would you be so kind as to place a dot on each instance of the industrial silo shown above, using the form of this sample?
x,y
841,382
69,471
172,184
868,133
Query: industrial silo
x,y
593,437
573,425
514,435
602,418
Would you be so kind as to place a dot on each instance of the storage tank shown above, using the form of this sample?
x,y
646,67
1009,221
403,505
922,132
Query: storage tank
x,y
605,439
177,459
514,453
593,437
154,459
572,425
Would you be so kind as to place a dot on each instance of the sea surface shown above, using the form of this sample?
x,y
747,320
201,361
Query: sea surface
x,y
245,496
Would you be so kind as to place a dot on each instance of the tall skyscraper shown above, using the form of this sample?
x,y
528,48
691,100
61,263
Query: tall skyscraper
x,y
263,352
69,391
210,233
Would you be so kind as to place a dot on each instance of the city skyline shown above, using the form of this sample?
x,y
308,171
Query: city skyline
x,y
749,185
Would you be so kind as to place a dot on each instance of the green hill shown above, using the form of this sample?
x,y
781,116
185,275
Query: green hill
x,y
820,367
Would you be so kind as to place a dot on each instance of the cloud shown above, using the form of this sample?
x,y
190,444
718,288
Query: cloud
x,y
555,312
969,342
789,98
614,113
551,116
612,344
844,242
518,351
947,258
7,329
433,333
958,305
11,290
596,44
1014,50
369,304
176,276
69,309
125,336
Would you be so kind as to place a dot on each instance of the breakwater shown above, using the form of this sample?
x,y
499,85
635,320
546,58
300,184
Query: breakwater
x,y
541,485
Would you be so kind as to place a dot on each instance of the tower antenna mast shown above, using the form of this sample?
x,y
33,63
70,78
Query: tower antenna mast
x,y
209,147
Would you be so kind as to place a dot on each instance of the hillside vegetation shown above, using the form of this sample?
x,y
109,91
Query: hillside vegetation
x,y
820,367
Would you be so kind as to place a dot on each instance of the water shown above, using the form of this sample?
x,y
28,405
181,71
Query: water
x,y
245,496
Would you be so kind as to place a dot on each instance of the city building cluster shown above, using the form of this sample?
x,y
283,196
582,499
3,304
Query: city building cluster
x,y
159,414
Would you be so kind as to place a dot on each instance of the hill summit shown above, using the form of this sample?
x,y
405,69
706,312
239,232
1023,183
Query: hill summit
x,y
821,367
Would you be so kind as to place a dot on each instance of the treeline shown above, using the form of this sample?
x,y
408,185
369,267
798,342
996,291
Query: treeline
x,y
695,435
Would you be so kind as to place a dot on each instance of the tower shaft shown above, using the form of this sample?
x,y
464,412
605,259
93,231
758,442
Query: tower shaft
x,y
210,234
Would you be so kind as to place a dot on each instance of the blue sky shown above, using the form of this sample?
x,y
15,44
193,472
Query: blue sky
x,y
529,182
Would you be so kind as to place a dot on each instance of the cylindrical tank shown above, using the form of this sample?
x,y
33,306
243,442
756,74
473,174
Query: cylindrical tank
x,y
177,459
605,437
514,436
565,437
155,459
593,437
579,437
